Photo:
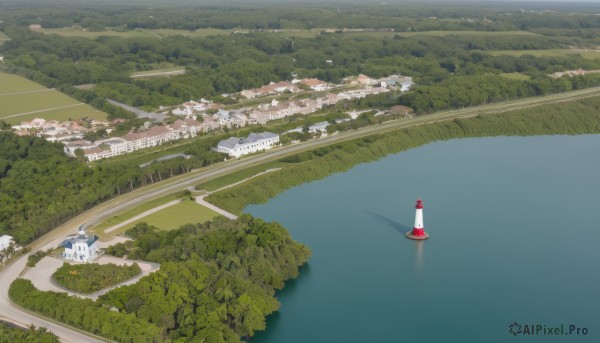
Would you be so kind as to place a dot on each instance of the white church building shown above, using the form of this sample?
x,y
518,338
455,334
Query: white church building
x,y
80,247
237,147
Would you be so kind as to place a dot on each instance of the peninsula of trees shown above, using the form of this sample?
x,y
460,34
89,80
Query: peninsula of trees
x,y
217,281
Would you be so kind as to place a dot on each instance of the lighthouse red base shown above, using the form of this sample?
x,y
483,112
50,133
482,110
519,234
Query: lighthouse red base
x,y
417,234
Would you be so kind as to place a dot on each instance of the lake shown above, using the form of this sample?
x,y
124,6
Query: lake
x,y
514,226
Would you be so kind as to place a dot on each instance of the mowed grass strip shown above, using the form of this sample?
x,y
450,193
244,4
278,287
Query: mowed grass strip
x,y
22,100
23,103
11,83
158,72
590,55
172,217
157,33
439,33
238,176
516,76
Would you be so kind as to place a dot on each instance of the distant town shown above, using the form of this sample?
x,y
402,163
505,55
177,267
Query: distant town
x,y
203,116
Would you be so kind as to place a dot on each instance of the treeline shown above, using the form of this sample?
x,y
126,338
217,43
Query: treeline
x,y
480,90
191,16
16,335
216,283
92,277
230,63
577,117
84,314
41,187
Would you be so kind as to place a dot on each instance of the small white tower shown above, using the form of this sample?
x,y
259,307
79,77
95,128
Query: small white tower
x,y
418,232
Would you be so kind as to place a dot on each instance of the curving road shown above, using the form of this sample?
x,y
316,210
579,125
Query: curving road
x,y
9,312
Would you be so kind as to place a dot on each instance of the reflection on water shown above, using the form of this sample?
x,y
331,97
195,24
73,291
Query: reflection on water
x,y
419,247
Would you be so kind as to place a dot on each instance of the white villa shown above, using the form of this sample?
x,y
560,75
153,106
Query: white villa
x,y
80,247
237,147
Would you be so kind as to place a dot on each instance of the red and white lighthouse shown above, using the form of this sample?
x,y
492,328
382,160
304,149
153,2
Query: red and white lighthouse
x,y
418,232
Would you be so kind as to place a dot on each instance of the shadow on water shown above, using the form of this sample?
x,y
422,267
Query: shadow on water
x,y
288,289
389,222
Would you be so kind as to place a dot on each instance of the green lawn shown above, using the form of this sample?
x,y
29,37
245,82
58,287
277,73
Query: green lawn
x,y
173,217
121,217
238,176
11,83
590,55
40,103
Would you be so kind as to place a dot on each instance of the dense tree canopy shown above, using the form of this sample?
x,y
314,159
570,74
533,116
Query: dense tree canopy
x,y
15,335
216,284
40,187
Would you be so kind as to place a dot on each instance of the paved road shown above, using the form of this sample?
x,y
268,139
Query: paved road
x,y
109,208
139,113
10,313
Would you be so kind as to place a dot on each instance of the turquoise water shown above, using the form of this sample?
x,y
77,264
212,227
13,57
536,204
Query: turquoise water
x,y
515,237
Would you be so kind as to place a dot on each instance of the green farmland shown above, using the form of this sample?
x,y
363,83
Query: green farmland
x,y
589,54
22,100
157,33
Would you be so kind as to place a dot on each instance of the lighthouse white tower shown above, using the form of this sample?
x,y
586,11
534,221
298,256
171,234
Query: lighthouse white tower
x,y
418,232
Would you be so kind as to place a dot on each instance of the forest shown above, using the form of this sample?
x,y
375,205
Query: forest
x,y
580,117
216,282
41,187
220,64
15,335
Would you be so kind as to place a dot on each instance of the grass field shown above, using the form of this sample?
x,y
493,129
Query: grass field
x,y
232,178
170,218
437,33
158,72
157,33
590,55
10,83
300,33
22,99
121,217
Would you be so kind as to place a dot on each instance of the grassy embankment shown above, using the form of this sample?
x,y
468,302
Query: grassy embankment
x,y
187,211
22,99
576,117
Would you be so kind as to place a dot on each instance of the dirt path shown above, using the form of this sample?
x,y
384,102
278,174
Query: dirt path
x,y
141,215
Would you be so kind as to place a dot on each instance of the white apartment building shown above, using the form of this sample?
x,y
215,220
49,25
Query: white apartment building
x,y
237,147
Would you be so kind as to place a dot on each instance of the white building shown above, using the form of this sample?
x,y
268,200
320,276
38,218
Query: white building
x,y
7,247
5,241
237,147
80,247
